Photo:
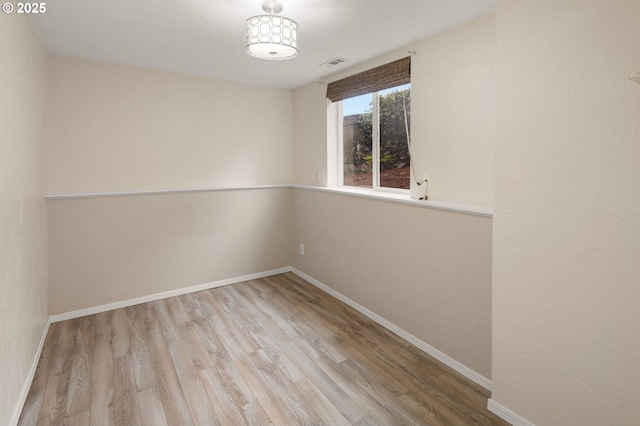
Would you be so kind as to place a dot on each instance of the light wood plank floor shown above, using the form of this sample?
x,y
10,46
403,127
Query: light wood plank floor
x,y
273,351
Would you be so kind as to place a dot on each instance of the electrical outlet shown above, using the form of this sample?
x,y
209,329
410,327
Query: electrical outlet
x,y
302,249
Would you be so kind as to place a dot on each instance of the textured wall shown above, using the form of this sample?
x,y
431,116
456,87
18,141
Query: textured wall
x,y
426,271
310,135
118,128
566,293
453,113
110,249
23,253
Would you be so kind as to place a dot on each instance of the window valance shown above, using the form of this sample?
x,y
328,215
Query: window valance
x,y
383,77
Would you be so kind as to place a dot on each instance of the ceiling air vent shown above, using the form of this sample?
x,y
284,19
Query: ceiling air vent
x,y
333,62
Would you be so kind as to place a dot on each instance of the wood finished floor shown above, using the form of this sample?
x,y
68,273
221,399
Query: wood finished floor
x,y
273,351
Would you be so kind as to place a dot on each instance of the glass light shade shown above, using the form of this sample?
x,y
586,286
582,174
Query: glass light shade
x,y
271,37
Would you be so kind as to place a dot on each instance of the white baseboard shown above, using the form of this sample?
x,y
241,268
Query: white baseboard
x,y
116,305
506,414
158,296
29,380
440,356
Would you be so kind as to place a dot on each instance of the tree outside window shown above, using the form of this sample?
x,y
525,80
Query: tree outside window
x,y
375,139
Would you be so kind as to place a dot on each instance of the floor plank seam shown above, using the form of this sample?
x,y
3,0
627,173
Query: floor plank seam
x,y
270,350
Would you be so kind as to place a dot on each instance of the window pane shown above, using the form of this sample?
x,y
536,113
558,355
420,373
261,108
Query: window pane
x,y
395,120
356,141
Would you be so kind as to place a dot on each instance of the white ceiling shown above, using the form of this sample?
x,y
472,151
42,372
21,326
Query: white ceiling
x,y
206,37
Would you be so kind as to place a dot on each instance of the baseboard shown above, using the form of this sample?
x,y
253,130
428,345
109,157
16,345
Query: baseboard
x,y
440,356
122,304
506,414
29,380
158,296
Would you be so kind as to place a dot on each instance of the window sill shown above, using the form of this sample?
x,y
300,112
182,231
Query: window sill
x,y
351,192
402,199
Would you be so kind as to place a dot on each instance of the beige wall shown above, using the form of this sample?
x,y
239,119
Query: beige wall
x,y
109,249
426,271
453,115
119,128
310,135
453,110
566,293
23,250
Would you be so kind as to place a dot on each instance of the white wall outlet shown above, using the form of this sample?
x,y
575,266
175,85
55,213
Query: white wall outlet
x,y
302,249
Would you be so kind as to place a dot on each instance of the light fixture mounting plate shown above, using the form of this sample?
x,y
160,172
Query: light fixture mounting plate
x,y
272,6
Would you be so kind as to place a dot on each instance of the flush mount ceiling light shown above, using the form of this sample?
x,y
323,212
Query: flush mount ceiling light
x,y
271,36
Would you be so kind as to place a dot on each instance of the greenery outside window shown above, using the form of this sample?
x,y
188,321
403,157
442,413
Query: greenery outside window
x,y
373,116
374,139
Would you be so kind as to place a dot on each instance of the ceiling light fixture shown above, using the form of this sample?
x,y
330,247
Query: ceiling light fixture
x,y
270,36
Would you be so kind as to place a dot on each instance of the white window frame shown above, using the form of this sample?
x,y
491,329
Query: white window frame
x,y
375,150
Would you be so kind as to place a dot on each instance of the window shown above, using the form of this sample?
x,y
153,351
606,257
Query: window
x,y
373,126
374,142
